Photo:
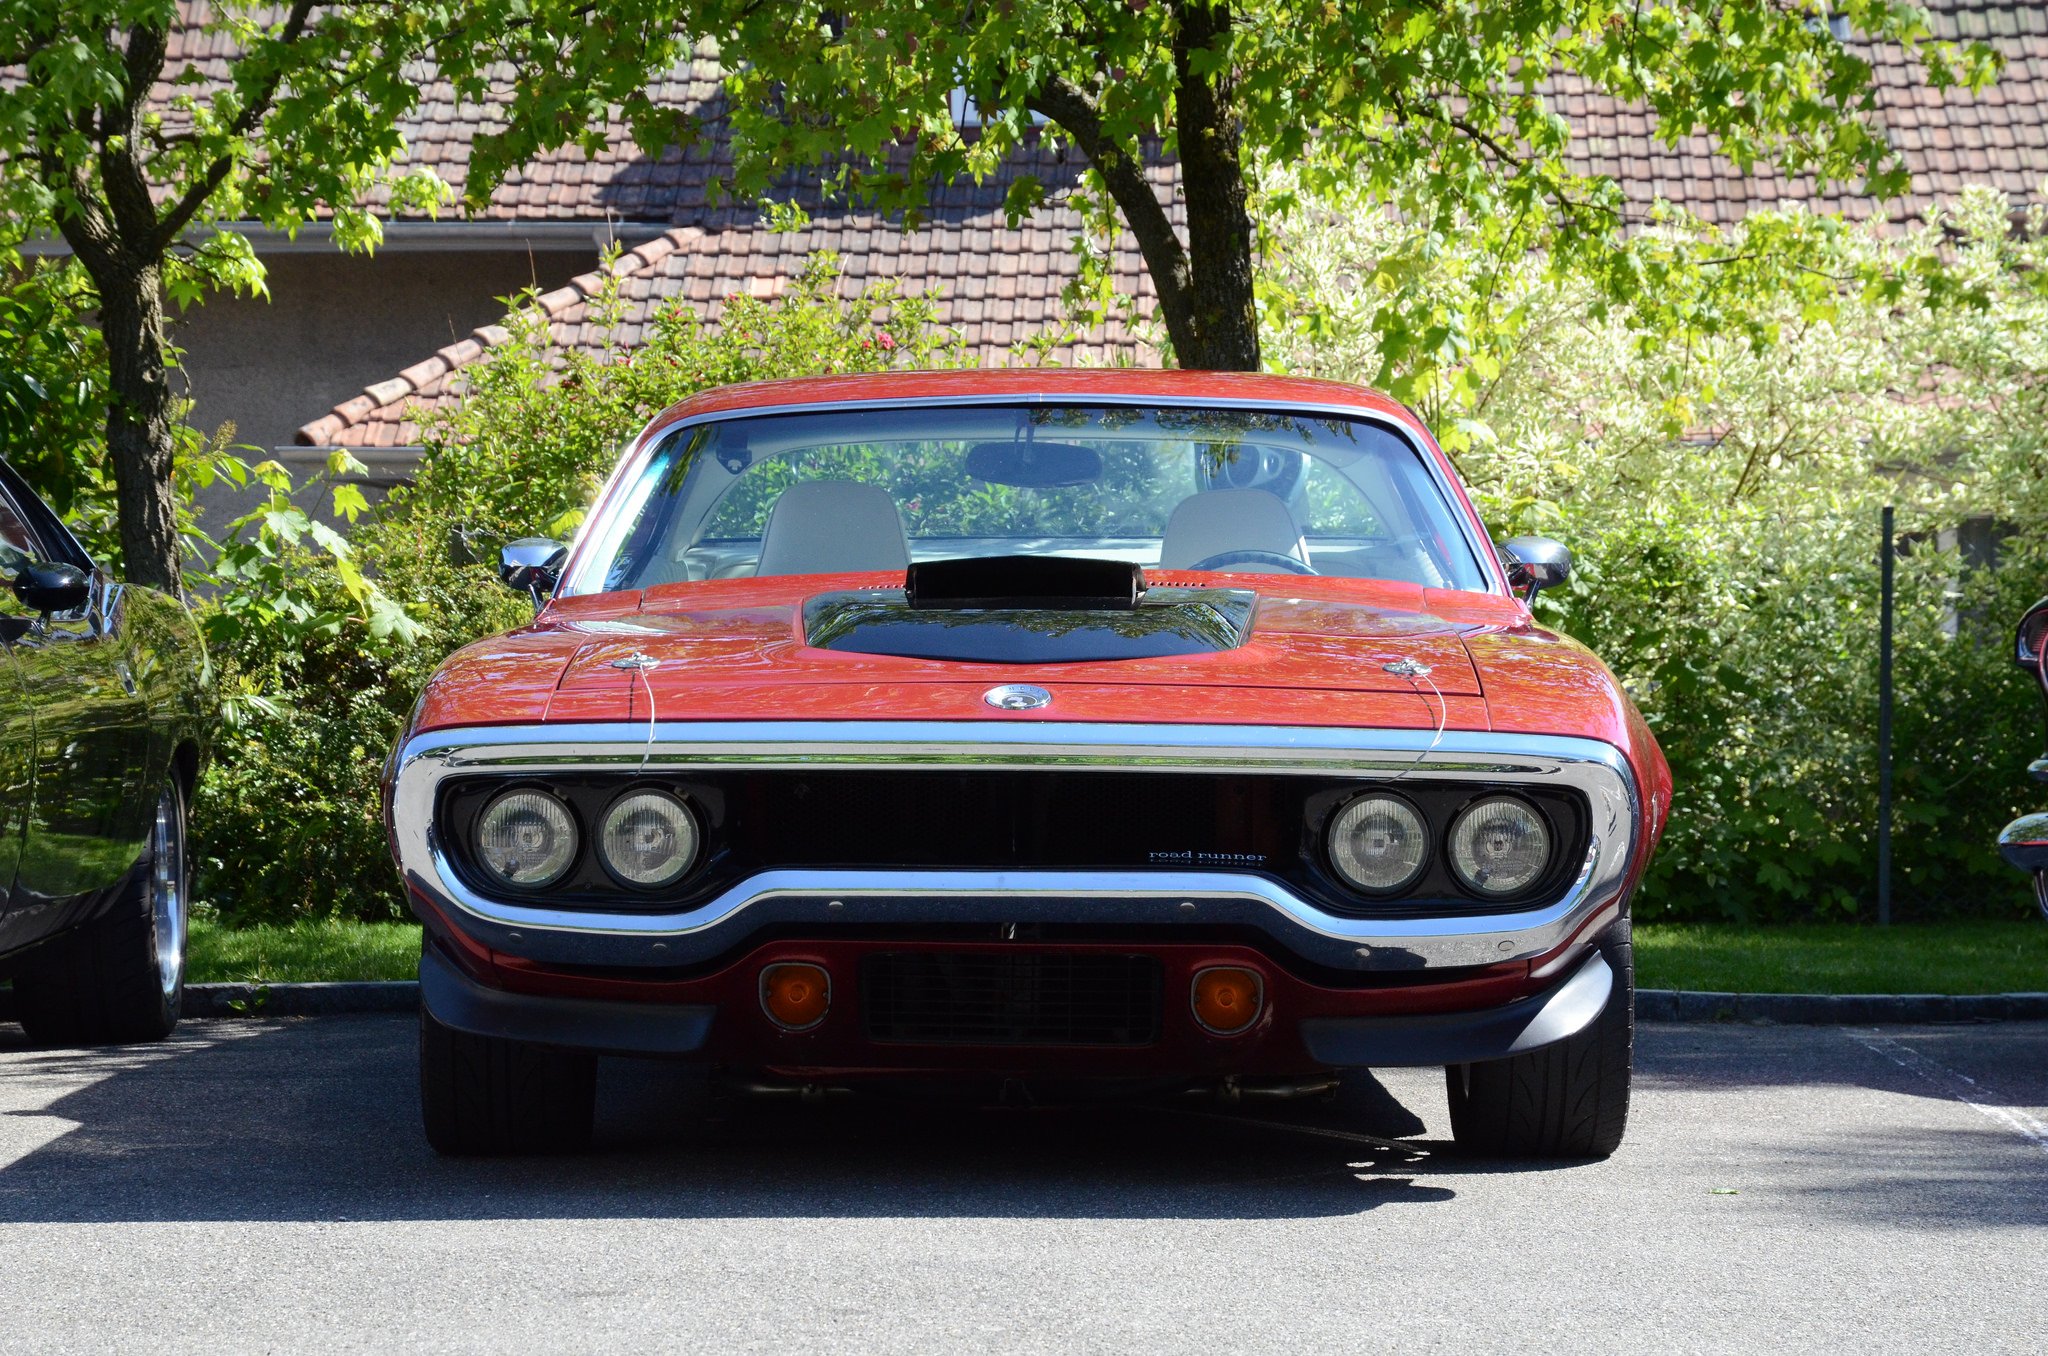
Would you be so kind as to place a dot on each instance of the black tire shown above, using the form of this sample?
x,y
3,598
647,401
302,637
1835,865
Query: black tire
x,y
120,978
482,1095
1568,1100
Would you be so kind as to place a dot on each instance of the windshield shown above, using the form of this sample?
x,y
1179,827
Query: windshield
x,y
871,489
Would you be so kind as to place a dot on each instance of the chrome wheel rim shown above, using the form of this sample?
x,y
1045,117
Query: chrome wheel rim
x,y
167,895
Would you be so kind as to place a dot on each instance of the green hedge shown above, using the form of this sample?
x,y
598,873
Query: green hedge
x,y
1719,476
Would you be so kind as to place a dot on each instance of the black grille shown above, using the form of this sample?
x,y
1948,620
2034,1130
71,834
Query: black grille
x,y
764,819
995,998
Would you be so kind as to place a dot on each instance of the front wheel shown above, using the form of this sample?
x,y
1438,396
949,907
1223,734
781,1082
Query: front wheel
x,y
484,1095
121,977
1568,1100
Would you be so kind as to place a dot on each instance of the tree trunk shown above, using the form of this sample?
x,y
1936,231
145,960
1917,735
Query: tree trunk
x,y
1223,313
139,426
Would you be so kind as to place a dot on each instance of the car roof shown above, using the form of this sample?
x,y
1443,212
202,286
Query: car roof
x,y
1029,383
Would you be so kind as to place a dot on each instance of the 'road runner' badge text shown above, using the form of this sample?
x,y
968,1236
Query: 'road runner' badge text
x,y
1198,857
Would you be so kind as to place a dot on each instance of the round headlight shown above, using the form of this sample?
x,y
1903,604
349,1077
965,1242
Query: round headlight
x,y
649,838
526,838
1379,844
1499,846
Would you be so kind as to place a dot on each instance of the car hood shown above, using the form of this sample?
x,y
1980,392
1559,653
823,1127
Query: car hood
x,y
1309,651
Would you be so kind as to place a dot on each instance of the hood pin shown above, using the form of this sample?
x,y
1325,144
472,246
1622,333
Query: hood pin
x,y
1407,668
642,664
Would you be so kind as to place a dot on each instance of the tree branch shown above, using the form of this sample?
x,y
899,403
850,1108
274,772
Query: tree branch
x,y
181,213
1123,174
121,174
27,52
85,227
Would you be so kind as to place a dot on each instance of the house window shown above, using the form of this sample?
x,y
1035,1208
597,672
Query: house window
x,y
966,114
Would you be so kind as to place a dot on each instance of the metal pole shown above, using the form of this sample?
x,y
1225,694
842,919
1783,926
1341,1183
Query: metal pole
x,y
1884,729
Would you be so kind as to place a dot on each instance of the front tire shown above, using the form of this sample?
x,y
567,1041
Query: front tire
x,y
120,978
484,1095
1568,1100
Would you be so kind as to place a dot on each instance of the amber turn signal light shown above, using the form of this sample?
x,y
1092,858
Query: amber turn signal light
x,y
795,997
1227,999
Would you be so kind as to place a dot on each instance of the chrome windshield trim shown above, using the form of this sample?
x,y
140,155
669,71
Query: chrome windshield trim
x,y
595,528
1597,770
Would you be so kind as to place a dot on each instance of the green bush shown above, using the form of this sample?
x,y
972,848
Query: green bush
x,y
324,643
53,386
1717,463
321,645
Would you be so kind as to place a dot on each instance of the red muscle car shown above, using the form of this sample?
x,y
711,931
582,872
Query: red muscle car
x,y
1155,729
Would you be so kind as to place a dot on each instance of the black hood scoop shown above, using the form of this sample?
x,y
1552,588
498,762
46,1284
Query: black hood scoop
x,y
1024,581
1029,610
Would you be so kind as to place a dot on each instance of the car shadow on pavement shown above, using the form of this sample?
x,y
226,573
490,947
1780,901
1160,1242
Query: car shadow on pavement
x,y
318,1120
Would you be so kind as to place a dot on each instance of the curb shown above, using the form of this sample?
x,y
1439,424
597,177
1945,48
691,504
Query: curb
x,y
1834,1009
1652,1005
300,1000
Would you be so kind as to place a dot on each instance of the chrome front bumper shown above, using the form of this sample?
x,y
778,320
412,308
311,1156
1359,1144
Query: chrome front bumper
x,y
823,900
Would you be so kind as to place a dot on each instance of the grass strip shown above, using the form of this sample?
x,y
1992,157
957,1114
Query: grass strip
x,y
1981,956
298,953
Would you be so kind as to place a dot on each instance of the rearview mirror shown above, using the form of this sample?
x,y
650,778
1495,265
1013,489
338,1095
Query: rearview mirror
x,y
1535,564
48,587
1034,465
532,566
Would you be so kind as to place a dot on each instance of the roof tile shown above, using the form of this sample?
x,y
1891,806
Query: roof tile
x,y
424,371
385,392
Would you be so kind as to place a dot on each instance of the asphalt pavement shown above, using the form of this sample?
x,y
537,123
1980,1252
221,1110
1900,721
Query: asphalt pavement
x,y
262,1186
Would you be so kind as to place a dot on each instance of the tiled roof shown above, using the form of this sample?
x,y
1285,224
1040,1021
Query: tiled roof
x,y
1950,140
998,287
562,185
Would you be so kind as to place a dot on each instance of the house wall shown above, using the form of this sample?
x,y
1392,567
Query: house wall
x,y
333,324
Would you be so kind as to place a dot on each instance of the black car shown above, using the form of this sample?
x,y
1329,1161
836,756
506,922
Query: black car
x,y
105,691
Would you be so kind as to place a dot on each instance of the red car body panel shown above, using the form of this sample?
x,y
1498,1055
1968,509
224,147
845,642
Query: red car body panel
x,y
1318,655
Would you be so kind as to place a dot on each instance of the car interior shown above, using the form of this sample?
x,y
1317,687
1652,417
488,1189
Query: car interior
x,y
780,499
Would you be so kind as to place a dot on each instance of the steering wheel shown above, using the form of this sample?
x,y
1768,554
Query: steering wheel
x,y
1222,559
1255,468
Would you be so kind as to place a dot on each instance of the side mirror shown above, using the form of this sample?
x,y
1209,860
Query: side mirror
x,y
2030,639
2024,844
45,587
532,566
1535,564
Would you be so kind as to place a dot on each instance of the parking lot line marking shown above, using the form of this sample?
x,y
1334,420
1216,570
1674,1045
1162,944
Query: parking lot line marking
x,y
1957,1085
